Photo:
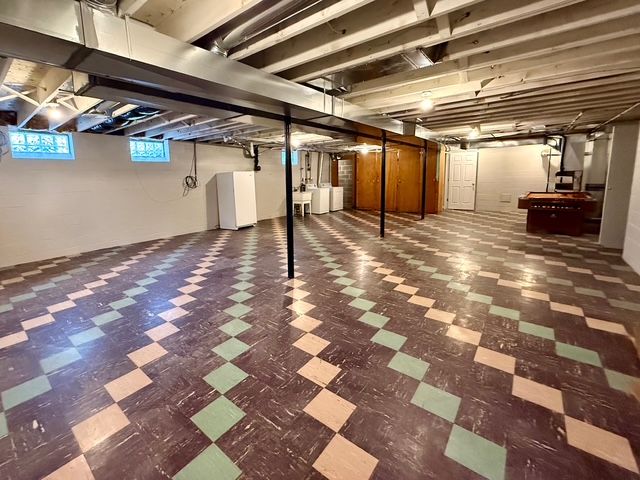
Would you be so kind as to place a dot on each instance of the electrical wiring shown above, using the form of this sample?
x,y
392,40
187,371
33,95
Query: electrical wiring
x,y
190,182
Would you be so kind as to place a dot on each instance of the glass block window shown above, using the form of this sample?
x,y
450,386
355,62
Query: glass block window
x,y
294,157
35,145
151,151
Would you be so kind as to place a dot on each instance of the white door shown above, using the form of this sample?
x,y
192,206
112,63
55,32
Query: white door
x,y
245,198
462,180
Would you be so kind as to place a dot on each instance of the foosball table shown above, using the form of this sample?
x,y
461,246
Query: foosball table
x,y
555,212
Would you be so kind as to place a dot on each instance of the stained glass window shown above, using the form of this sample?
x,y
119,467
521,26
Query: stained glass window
x,y
31,144
143,150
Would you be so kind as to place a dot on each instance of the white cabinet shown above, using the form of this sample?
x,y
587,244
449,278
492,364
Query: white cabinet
x,y
337,198
236,199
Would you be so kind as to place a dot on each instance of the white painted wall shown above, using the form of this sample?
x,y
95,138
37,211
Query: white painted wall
x,y
615,210
506,173
631,252
102,199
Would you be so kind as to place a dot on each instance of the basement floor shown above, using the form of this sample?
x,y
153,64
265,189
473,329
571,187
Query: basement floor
x,y
459,347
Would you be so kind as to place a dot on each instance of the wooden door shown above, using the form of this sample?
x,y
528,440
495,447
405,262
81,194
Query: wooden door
x,y
335,173
409,181
368,181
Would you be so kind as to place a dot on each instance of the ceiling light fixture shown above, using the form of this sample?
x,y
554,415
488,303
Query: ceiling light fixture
x,y
364,149
53,111
426,104
474,133
295,143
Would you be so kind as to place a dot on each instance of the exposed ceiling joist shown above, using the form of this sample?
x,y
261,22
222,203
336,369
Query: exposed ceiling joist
x,y
46,92
546,45
73,108
195,18
381,19
484,16
305,24
576,59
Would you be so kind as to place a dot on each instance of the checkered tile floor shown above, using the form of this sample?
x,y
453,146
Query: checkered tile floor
x,y
457,347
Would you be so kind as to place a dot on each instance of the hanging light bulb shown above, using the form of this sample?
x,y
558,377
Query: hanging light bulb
x,y
474,133
364,149
53,111
426,104
295,143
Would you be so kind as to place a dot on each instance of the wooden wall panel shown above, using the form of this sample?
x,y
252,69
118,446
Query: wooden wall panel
x,y
432,180
409,181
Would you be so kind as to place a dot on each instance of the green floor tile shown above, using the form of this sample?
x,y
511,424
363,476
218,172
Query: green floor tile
x,y
578,354
332,265
235,327
476,453
155,273
132,292
338,273
458,286
106,317
436,401
354,292
427,268
374,319
246,263
240,296
231,349
411,366
537,330
25,391
389,339
43,286
7,307
125,302
328,259
238,310
244,276
22,298
4,429
246,269
362,304
212,463
217,418
620,381
592,292
242,285
146,281
625,304
406,256
504,312
61,278
415,262
559,281
344,281
59,360
478,297
86,336
225,377
440,276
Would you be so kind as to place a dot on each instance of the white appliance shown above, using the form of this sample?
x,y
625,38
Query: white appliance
x,y
320,198
236,199
336,197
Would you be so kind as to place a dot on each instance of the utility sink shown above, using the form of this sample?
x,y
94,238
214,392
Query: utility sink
x,y
302,196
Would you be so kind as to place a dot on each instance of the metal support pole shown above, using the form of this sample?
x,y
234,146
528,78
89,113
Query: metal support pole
x,y
423,202
383,182
289,195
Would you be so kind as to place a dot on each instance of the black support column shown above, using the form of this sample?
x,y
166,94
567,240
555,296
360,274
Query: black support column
x,y
423,201
289,195
383,182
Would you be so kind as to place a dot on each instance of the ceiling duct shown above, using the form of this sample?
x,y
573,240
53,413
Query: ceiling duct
x,y
86,40
504,142
109,6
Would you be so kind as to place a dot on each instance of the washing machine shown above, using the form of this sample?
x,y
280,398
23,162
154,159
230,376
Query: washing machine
x,y
320,198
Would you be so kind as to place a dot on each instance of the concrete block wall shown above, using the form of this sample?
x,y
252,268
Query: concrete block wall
x,y
346,180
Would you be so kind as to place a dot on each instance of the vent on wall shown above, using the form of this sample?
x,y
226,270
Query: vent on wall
x,y
505,197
